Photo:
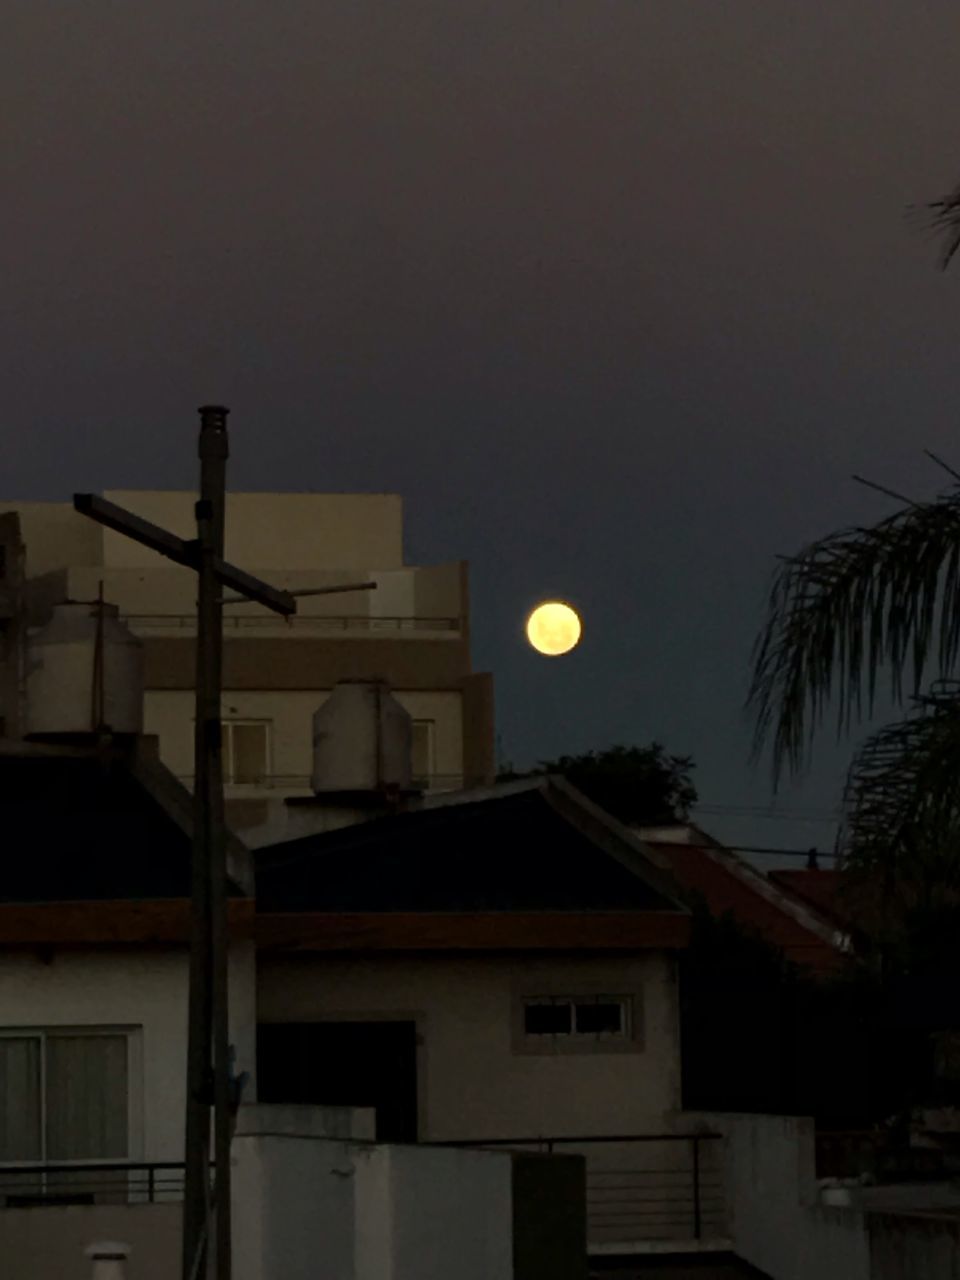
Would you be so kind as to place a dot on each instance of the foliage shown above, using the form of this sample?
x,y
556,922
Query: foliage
x,y
842,611
943,218
637,785
902,836
849,605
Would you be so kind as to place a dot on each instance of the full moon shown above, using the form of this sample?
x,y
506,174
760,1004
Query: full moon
x,y
553,628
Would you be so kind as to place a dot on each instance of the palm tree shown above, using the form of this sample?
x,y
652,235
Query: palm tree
x,y
842,613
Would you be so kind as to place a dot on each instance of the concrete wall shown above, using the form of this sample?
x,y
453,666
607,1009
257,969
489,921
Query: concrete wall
x,y
49,1244
914,1248
473,1082
144,991
773,1216
55,536
312,1207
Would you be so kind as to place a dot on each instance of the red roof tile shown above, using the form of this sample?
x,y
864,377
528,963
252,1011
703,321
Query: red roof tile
x,y
818,889
726,888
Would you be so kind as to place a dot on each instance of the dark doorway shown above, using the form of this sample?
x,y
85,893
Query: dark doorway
x,y
343,1064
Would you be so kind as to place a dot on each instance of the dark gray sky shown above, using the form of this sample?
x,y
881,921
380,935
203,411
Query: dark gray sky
x,y
617,293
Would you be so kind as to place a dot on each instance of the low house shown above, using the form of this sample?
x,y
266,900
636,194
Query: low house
x,y
500,965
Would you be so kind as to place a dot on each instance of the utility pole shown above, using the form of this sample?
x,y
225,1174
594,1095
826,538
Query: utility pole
x,y
208,1036
208,1017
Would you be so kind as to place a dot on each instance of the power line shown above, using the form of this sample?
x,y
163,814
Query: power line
x,y
785,815
784,853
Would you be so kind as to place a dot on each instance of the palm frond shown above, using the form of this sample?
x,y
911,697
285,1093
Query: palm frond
x,y
847,607
901,837
903,793
943,219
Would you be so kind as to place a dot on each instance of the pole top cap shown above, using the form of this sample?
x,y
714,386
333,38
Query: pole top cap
x,y
213,416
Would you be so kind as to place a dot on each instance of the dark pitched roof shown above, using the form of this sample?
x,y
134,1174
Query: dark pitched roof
x,y
91,823
519,848
78,827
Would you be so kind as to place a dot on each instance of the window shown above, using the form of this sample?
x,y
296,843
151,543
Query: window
x,y
422,752
64,1095
593,1022
246,752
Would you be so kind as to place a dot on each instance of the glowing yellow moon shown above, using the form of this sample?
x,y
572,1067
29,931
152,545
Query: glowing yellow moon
x,y
553,628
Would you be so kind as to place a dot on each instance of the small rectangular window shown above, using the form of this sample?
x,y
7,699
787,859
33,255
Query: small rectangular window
x,y
577,1023
246,752
601,1017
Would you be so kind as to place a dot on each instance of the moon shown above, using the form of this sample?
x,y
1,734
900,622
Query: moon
x,y
554,628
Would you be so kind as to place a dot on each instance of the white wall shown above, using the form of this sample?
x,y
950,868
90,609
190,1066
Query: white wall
x,y
774,1218
473,1083
141,988
49,1244
307,1207
450,1212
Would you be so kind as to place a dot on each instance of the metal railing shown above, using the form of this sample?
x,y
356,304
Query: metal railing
x,y
337,623
101,1182
642,1188
300,782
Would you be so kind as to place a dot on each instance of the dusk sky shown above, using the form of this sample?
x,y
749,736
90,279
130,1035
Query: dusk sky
x,y
616,293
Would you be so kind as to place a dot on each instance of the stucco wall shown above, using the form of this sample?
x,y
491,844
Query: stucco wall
x,y
473,1083
773,1216
309,1207
49,1244
130,989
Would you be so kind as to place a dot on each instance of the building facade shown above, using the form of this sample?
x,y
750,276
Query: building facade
x,y
412,632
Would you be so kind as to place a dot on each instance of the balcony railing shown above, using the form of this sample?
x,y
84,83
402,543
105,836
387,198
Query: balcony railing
x,y
360,624
299,784
100,1182
643,1190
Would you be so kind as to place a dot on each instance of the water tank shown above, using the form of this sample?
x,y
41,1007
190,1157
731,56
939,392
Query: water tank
x,y
362,740
85,673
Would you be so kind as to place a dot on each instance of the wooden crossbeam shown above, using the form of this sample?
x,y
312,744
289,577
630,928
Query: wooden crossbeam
x,y
180,551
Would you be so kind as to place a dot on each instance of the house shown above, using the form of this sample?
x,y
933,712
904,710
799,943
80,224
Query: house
x,y
497,965
413,631
94,930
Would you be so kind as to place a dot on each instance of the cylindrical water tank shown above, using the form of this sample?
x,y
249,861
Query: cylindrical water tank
x,y
362,740
85,673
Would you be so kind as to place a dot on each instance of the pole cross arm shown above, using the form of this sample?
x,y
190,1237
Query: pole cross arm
x,y
180,551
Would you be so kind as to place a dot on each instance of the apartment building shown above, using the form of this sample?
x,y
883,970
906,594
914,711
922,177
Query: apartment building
x,y
412,631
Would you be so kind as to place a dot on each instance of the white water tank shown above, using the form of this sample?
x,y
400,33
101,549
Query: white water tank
x,y
85,673
362,740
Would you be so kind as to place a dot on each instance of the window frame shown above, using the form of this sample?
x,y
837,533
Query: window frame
x,y
227,753
133,1035
629,1040
430,726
